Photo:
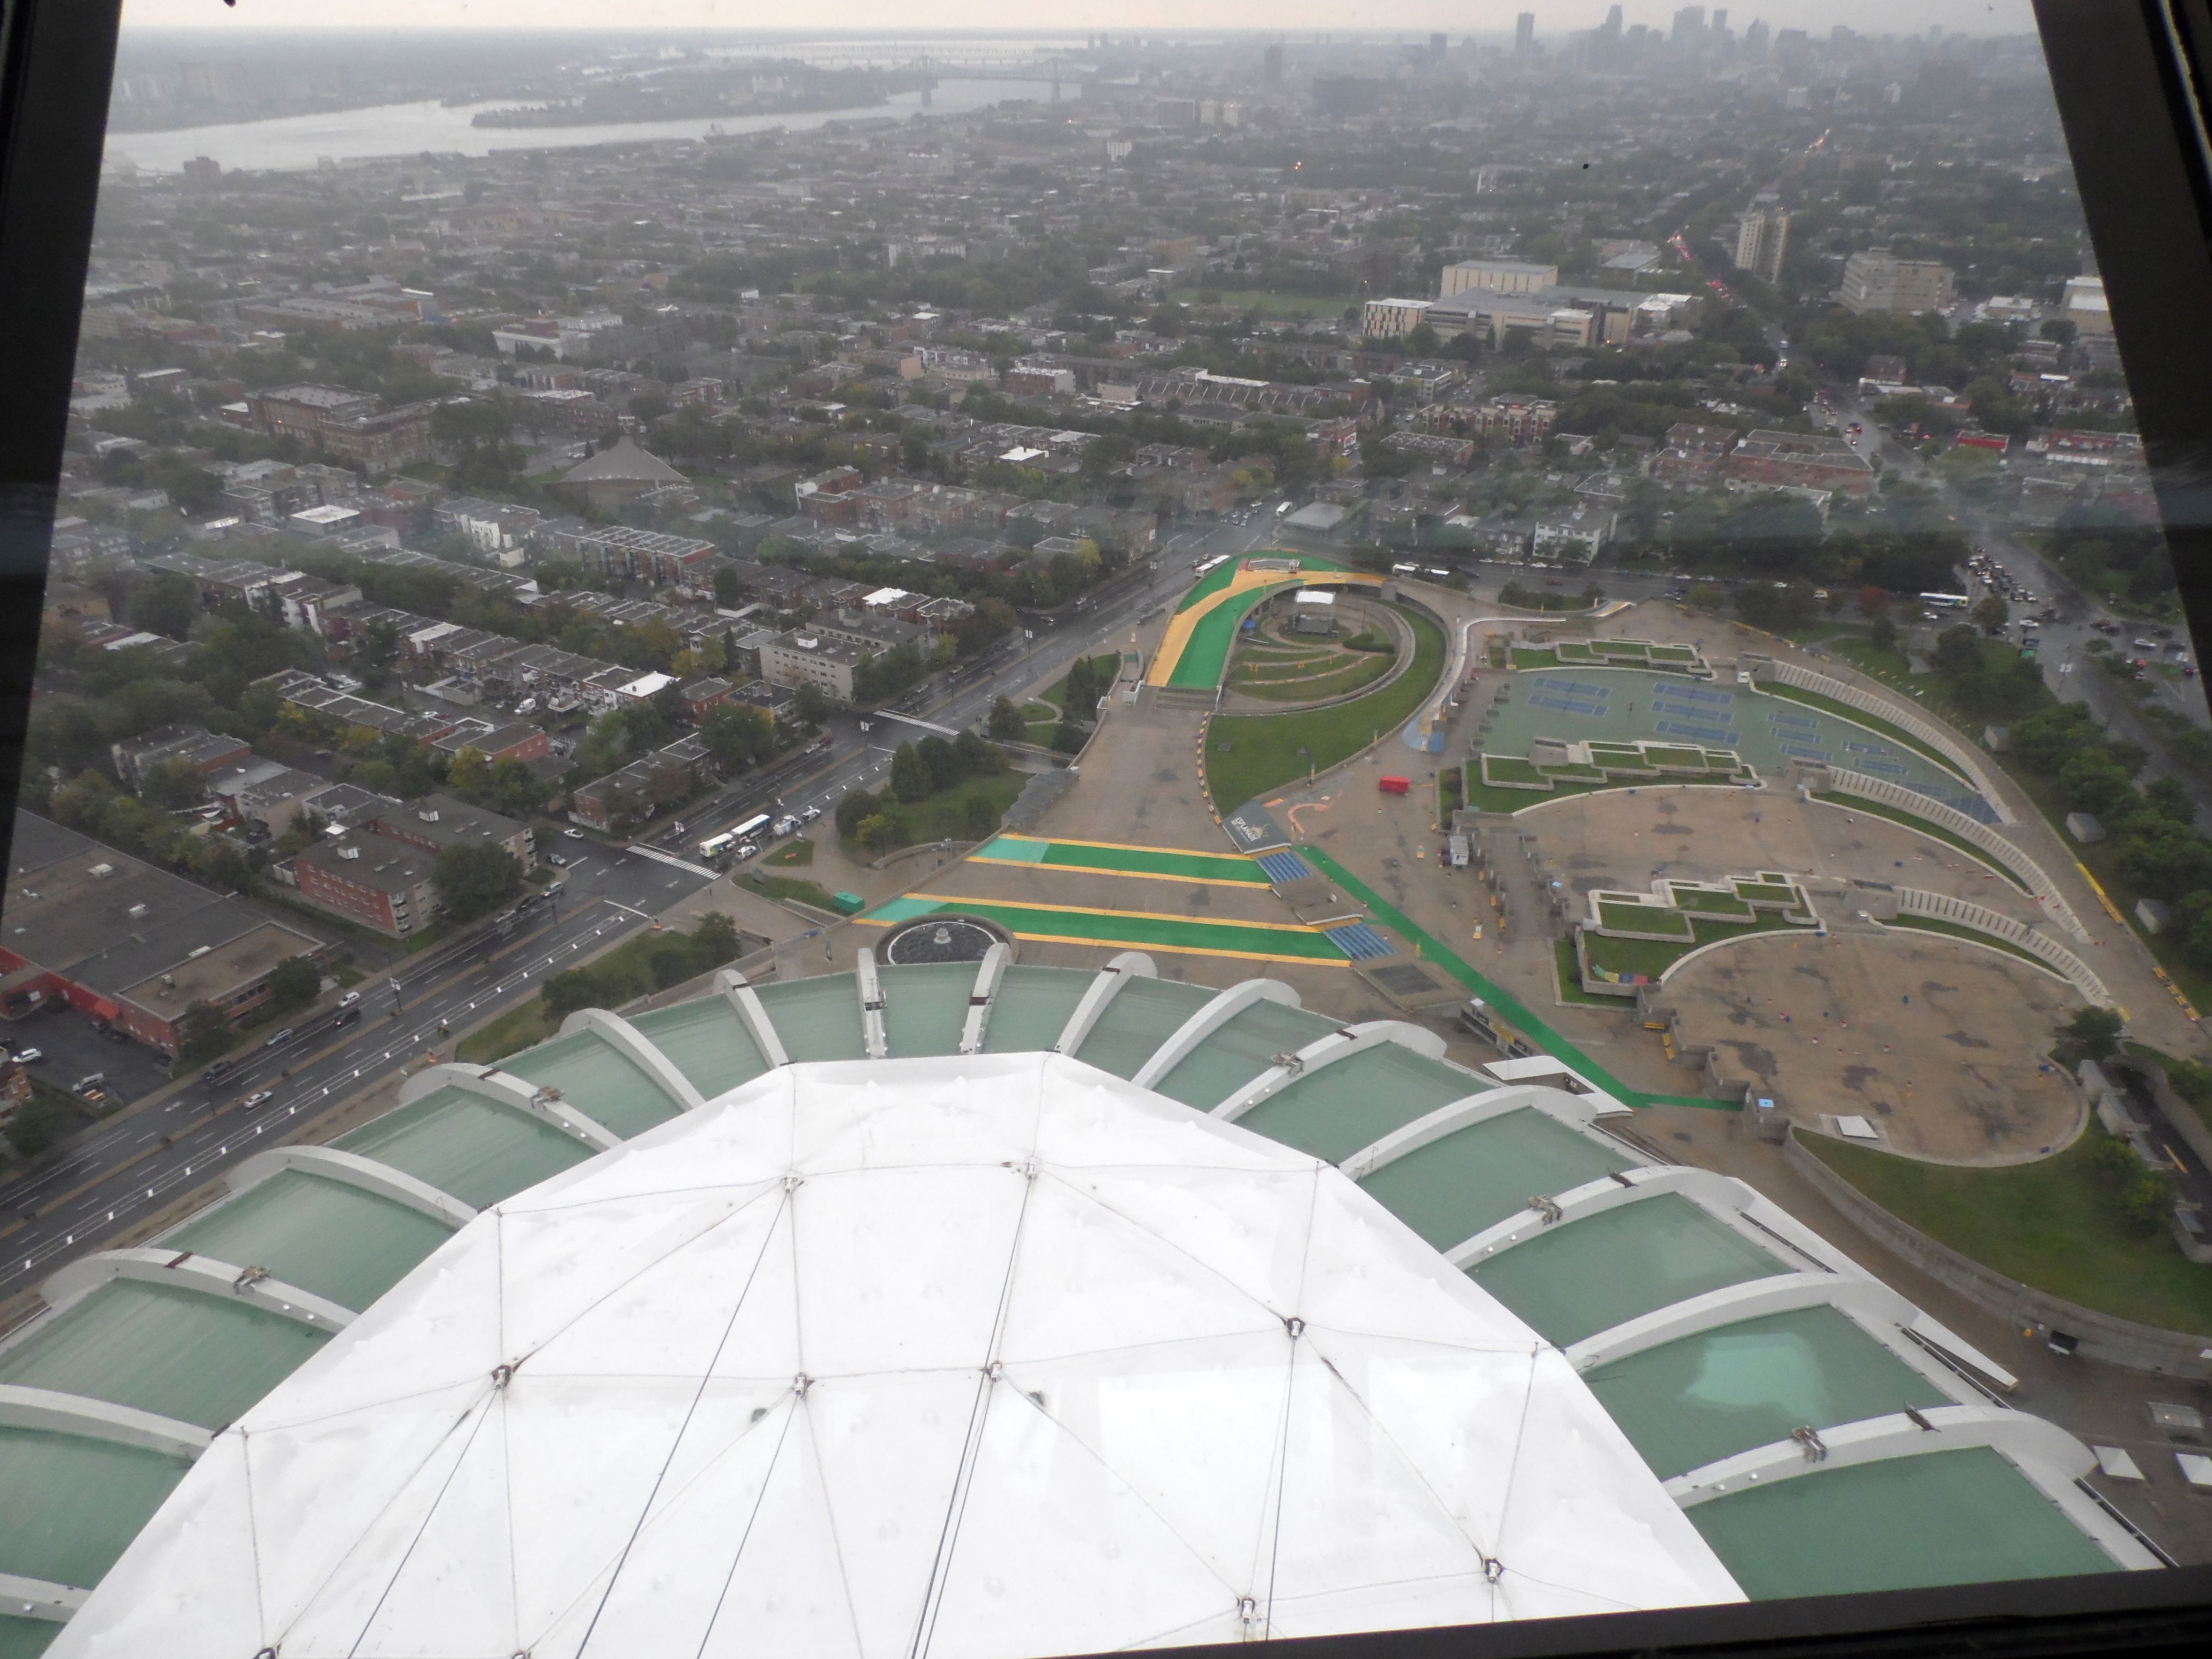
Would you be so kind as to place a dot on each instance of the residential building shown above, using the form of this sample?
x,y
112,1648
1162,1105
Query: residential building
x,y
1798,460
1877,280
369,879
1392,319
1762,239
439,820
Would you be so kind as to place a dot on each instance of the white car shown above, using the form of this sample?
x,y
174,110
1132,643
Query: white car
x,y
29,1056
809,814
348,999
573,834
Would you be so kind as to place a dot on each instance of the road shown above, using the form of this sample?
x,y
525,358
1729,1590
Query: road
x,y
2069,669
149,1153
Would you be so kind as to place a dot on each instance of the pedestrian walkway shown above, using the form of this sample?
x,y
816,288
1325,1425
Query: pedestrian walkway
x,y
1503,1002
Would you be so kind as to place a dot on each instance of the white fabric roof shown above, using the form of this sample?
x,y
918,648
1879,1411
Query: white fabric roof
x,y
975,1357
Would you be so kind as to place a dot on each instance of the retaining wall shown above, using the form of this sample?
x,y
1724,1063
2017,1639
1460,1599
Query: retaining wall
x,y
1942,907
1844,782
2102,1336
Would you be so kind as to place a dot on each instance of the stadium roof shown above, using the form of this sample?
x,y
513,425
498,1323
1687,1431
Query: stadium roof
x,y
839,1202
999,1355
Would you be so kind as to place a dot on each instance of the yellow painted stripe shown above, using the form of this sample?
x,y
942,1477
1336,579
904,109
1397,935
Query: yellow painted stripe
x,y
1184,623
1182,916
1127,875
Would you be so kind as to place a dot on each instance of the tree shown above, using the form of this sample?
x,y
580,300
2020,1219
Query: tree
x,y
810,707
737,735
1992,614
1081,699
166,604
1958,651
1006,723
2171,797
1883,634
1873,601
470,774
172,784
203,1032
473,879
910,774
293,983
2092,1034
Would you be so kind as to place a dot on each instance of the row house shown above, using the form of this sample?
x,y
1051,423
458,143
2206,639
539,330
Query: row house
x,y
627,554
1798,460
643,788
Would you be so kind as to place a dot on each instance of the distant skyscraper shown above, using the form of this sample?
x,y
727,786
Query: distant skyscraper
x,y
1271,67
1689,25
1762,237
1754,40
1524,34
1611,24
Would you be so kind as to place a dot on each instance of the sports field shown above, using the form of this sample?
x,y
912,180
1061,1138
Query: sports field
x,y
1615,705
1115,859
1195,650
1135,930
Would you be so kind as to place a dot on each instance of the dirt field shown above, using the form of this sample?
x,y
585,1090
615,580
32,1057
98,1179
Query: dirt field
x,y
1937,1042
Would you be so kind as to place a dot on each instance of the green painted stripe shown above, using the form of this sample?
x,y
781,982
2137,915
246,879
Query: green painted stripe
x,y
1151,861
1118,928
1516,1013
1014,849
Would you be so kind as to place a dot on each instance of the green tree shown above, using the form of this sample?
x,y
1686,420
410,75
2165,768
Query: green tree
x,y
810,707
293,983
737,735
172,784
166,603
910,779
1006,723
203,1032
473,879
2092,1034
1958,651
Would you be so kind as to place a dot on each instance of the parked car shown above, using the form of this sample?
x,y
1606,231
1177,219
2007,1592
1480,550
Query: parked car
x,y
115,1034
284,1036
29,1056
88,1083
556,860
258,1097
574,833
348,999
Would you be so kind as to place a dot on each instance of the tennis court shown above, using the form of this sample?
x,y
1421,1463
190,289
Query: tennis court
x,y
1630,705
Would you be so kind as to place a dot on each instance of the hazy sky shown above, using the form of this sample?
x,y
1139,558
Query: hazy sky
x,y
1456,17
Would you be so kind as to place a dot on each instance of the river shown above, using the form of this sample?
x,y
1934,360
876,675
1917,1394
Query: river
x,y
295,142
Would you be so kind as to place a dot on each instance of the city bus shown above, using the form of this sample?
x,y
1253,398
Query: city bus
x,y
1213,563
1946,601
752,829
714,846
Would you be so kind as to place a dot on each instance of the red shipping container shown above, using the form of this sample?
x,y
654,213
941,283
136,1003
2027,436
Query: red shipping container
x,y
1390,786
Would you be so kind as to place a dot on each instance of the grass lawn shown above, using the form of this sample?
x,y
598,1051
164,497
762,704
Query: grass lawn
x,y
943,816
1960,930
513,1031
1898,815
2051,1224
1056,694
791,887
792,853
1644,918
1570,975
1337,683
1535,657
1717,904
1248,755
1651,958
1275,305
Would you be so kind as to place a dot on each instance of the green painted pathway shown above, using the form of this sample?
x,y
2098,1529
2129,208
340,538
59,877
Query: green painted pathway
x,y
1514,1011
1118,859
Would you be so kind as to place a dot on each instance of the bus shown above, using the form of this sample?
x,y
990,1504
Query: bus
x,y
714,846
1213,563
1946,601
752,829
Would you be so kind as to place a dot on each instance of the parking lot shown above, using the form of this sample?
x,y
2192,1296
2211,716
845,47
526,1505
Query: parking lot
x,y
74,1048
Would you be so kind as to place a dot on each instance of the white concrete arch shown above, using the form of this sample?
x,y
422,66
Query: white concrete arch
x,y
351,1170
50,1409
1339,1044
638,1049
746,1001
1718,1193
1464,1113
868,985
1868,1302
2049,1456
1130,964
990,974
1217,1011
39,1598
510,1090
67,1286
